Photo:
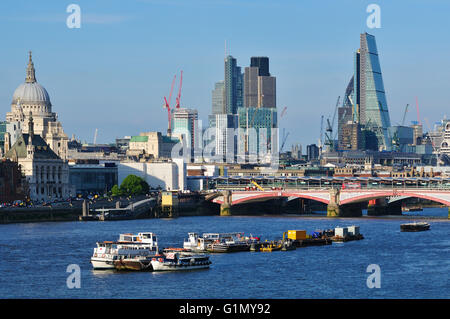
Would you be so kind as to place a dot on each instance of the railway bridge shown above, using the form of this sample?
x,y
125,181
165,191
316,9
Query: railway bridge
x,y
340,202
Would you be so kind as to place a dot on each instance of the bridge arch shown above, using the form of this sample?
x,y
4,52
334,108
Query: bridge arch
x,y
439,197
249,197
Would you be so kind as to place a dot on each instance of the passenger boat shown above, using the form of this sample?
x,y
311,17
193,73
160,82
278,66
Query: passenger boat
x,y
416,226
228,242
175,262
128,246
195,243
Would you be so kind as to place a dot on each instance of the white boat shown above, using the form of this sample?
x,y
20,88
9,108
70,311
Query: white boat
x,y
128,245
195,243
177,261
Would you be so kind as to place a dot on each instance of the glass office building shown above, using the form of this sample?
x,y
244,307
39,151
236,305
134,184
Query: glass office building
x,y
370,105
233,86
257,128
185,126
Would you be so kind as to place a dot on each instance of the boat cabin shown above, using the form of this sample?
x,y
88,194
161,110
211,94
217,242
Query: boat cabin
x,y
144,238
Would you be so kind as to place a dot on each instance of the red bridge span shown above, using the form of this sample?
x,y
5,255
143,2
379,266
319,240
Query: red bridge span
x,y
334,198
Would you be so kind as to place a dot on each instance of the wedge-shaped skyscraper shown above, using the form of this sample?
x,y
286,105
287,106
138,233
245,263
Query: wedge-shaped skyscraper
x,y
370,107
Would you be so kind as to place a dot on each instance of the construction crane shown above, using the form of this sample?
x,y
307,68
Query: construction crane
x,y
435,149
95,136
329,135
321,132
404,114
169,111
177,104
418,115
283,112
284,140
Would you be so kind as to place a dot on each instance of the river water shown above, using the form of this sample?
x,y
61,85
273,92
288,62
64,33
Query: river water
x,y
35,257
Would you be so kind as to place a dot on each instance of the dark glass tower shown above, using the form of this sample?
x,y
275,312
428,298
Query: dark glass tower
x,y
262,63
233,86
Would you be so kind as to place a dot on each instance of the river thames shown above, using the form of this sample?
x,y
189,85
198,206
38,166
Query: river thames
x,y
35,257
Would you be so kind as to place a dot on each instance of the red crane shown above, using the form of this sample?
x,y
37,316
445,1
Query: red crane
x,y
177,105
417,107
167,106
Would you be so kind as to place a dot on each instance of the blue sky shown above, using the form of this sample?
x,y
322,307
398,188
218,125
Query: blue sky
x,y
113,72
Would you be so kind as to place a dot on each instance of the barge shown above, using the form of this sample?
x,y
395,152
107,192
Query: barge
x,y
344,234
299,238
414,227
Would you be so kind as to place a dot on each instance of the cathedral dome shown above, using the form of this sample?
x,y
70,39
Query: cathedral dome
x,y
31,92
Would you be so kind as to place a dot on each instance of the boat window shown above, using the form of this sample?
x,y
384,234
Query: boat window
x,y
154,238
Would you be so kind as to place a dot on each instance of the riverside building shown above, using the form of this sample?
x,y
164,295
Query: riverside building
x,y
47,175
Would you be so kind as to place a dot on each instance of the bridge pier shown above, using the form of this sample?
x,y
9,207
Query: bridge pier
x,y
349,210
225,207
333,210
394,208
377,207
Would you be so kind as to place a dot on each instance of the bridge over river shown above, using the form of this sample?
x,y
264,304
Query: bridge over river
x,y
340,202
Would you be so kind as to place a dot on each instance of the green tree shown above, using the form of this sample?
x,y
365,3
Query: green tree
x,y
115,191
133,185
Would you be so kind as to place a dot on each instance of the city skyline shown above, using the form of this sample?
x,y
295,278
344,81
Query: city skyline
x,y
104,85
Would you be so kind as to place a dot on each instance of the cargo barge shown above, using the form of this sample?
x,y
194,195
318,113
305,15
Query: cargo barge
x,y
299,238
414,227
344,234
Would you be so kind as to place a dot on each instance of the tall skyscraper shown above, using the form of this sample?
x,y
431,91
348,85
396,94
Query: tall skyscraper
x,y
259,114
370,107
262,63
218,102
233,86
345,112
259,85
218,98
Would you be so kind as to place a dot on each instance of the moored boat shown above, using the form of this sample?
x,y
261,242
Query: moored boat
x,y
344,234
195,243
128,246
413,227
270,246
176,262
228,242
136,263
